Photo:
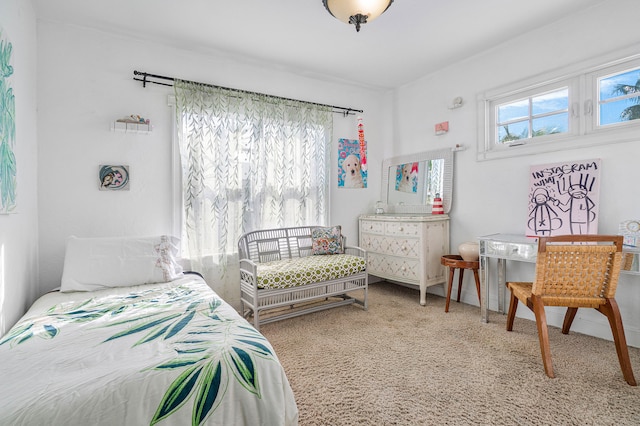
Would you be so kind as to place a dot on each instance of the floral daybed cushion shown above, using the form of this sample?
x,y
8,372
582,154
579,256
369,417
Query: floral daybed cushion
x,y
307,270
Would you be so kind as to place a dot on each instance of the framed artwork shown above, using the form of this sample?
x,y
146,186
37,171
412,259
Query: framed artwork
x,y
630,229
564,198
113,178
407,177
8,180
351,170
442,128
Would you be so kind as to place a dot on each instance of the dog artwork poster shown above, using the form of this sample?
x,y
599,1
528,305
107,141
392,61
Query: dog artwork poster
x,y
407,177
351,174
564,198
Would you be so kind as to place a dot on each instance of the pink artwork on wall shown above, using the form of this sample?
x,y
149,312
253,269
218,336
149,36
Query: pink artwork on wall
x,y
564,198
442,128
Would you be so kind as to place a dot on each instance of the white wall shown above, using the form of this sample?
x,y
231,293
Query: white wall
x,y
19,231
490,196
85,82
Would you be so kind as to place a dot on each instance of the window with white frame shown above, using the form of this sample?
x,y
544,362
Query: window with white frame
x,y
541,114
619,97
594,105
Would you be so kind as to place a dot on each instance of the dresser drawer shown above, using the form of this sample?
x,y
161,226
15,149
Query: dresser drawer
x,y
401,269
372,227
403,229
394,246
369,242
405,247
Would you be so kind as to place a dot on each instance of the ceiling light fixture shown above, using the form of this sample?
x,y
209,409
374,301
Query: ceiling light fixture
x,y
356,12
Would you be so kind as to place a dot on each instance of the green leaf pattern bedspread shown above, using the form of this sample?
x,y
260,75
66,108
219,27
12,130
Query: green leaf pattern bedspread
x,y
168,354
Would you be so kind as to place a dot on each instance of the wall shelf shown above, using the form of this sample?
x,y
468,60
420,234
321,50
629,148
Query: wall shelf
x,y
130,126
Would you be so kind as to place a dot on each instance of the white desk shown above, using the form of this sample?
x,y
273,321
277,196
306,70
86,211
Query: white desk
x,y
519,248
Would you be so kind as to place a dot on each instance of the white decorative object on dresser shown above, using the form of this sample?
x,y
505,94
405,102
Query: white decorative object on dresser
x,y
406,248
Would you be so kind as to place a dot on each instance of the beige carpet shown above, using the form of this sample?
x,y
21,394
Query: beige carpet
x,y
403,364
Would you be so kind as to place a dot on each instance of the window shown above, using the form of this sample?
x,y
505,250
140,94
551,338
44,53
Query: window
x,y
534,116
619,97
596,104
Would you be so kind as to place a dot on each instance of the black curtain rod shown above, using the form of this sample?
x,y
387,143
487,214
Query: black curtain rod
x,y
145,79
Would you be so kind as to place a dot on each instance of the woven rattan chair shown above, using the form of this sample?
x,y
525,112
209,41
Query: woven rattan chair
x,y
576,271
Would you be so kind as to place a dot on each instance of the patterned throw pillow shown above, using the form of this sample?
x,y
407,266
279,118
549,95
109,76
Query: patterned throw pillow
x,y
326,240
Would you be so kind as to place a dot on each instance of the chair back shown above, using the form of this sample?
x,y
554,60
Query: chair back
x,y
577,270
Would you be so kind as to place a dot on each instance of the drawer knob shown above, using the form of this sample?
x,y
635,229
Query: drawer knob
x,y
401,229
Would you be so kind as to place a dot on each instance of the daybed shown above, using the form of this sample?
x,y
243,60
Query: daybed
x,y
101,352
288,267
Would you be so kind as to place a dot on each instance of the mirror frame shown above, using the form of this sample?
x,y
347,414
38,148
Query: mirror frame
x,y
445,154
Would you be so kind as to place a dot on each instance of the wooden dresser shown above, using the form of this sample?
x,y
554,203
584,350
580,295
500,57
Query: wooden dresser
x,y
406,248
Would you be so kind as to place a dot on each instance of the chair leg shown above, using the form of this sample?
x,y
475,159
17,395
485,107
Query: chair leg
x,y
446,306
513,307
460,284
612,312
543,334
568,319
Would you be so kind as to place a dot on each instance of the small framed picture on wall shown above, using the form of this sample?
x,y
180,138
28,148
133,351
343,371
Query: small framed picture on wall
x,y
113,178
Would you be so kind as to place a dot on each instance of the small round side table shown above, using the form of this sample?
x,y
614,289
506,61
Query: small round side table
x,y
453,262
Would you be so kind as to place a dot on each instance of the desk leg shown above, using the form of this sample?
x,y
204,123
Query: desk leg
x,y
484,289
502,279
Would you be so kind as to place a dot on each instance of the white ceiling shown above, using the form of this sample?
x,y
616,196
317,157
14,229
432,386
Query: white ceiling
x,y
412,39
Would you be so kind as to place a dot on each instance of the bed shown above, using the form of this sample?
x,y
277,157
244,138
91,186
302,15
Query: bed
x,y
168,352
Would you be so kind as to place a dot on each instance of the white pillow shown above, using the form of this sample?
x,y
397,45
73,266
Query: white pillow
x,y
97,263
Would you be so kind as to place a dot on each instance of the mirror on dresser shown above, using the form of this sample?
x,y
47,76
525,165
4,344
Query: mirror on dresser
x,y
410,182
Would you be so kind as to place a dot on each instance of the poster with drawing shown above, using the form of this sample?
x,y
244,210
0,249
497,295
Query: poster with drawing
x,y
564,198
351,170
407,177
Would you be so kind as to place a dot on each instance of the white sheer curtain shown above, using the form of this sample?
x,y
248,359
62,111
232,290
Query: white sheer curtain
x,y
249,161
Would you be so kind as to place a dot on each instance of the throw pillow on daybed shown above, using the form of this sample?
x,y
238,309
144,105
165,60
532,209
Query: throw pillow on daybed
x,y
326,240
97,263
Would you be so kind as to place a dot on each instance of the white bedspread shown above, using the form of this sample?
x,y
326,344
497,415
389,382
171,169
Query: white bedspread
x,y
171,354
